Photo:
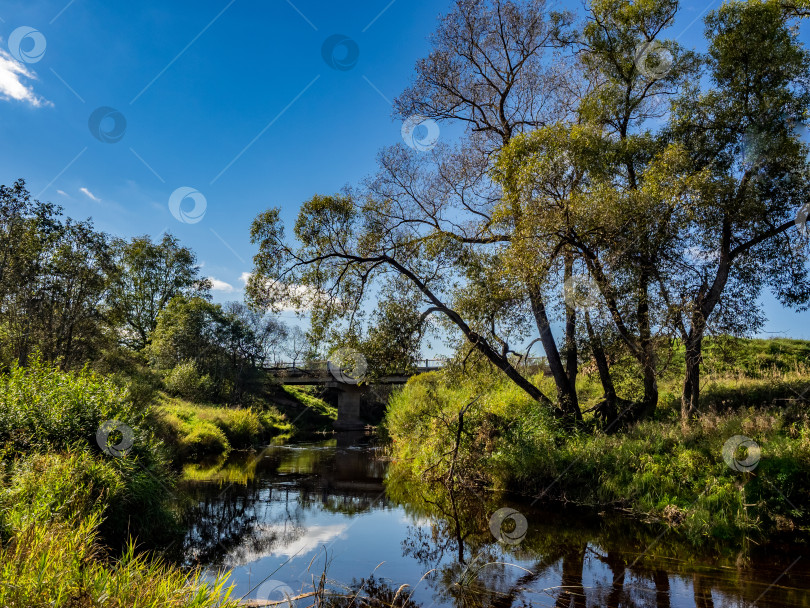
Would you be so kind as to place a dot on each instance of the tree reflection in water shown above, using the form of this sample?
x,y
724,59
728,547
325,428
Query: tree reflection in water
x,y
253,506
626,564
569,558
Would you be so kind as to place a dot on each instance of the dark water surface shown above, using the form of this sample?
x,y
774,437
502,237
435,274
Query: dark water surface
x,y
279,517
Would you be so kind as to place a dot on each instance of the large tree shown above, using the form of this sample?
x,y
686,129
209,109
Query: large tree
x,y
425,218
621,231
54,275
489,70
681,226
742,134
149,275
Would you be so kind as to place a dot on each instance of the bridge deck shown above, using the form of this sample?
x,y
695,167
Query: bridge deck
x,y
316,372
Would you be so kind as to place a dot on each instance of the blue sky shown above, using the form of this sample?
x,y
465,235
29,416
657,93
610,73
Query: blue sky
x,y
229,98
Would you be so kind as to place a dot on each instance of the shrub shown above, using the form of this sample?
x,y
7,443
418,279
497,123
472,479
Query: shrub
x,y
130,370
43,408
184,380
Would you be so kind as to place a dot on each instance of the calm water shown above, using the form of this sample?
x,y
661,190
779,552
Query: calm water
x,y
280,517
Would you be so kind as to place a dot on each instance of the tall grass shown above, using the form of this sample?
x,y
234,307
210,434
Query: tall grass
x,y
55,562
45,411
53,507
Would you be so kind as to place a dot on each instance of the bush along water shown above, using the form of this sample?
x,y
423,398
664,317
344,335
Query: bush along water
x,y
81,481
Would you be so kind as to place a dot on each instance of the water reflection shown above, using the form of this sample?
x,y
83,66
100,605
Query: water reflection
x,y
288,513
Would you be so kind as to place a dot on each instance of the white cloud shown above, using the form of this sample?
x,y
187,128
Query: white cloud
x,y
309,297
217,285
281,540
12,85
313,537
285,294
89,194
291,296
63,193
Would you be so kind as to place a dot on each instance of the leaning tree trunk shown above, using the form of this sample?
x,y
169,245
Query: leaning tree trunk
x,y
565,392
707,300
607,410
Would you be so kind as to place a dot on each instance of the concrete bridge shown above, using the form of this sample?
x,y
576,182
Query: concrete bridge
x,y
348,388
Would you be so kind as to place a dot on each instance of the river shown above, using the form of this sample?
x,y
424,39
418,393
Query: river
x,y
279,518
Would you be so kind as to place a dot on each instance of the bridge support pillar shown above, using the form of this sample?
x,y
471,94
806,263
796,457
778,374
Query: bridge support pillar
x,y
348,408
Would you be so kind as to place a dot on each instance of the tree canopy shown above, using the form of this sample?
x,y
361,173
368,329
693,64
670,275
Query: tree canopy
x,y
610,181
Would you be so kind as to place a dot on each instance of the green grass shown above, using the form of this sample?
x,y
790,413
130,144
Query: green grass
x,y
652,468
42,408
53,508
44,411
307,399
63,500
196,431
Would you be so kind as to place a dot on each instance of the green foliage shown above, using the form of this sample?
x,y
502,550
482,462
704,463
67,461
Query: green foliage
x,y
755,358
47,486
208,354
46,411
183,380
149,276
130,370
43,408
193,438
54,273
392,343
132,497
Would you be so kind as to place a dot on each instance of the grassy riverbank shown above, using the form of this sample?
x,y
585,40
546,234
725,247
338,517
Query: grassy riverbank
x,y
653,469
71,515
54,508
193,431
75,518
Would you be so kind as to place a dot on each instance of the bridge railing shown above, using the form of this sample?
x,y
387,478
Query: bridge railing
x,y
320,365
